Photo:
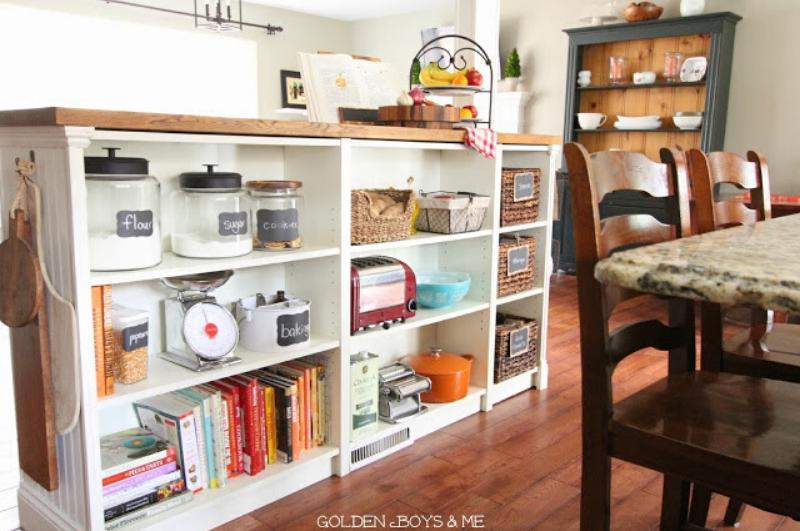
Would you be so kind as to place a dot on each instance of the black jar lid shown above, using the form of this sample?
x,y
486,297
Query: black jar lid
x,y
210,179
113,165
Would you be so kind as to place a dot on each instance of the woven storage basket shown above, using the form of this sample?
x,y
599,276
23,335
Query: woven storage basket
x,y
516,281
516,212
454,213
505,365
365,227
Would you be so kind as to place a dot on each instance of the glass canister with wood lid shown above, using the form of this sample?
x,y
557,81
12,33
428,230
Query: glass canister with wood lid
x,y
277,210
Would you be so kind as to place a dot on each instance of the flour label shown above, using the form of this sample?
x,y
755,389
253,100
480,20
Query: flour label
x,y
134,223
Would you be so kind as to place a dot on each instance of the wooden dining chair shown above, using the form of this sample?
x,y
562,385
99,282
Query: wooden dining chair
x,y
762,350
766,351
732,434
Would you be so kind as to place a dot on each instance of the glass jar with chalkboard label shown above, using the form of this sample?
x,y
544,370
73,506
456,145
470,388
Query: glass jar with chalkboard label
x,y
211,216
123,213
131,343
277,210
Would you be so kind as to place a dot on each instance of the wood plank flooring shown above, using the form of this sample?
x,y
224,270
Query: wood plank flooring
x,y
517,467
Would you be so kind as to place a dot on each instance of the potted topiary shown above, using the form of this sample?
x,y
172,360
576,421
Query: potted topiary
x,y
511,72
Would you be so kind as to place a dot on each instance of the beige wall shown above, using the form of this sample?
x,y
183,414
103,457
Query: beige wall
x,y
395,39
762,111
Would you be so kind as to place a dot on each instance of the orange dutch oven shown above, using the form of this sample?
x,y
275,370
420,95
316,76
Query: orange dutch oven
x,y
449,374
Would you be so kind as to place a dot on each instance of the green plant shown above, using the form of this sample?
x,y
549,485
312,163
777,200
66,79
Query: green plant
x,y
512,68
416,68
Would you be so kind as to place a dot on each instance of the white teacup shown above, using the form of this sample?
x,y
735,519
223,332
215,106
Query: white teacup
x,y
644,78
591,120
585,78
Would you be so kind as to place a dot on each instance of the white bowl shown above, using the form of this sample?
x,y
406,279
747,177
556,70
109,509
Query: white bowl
x,y
638,120
687,122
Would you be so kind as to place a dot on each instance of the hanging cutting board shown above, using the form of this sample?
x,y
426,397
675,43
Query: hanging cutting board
x,y
24,310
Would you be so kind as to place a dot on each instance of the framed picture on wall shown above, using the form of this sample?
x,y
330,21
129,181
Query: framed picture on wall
x,y
293,95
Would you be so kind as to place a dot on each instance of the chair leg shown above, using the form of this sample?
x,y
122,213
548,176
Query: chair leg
x,y
674,504
733,514
698,511
595,492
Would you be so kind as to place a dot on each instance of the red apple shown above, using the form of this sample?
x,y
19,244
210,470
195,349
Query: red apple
x,y
417,95
474,78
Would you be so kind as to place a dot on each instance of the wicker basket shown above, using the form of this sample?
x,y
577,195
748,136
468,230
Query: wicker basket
x,y
514,278
451,213
508,364
365,227
524,209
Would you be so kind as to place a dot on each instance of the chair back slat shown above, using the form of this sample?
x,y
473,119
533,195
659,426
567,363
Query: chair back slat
x,y
733,213
709,170
622,170
632,230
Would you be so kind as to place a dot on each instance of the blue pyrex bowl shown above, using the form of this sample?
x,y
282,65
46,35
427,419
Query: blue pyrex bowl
x,y
440,290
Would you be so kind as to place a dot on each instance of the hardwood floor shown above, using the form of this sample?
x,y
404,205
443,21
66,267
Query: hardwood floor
x,y
517,467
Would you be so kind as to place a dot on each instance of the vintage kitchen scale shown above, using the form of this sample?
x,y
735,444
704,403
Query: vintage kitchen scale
x,y
201,333
400,389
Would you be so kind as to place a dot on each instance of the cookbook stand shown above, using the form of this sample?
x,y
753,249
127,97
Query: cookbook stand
x,y
458,59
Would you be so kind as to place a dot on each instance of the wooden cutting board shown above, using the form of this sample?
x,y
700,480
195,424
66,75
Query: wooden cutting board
x,y
30,351
420,116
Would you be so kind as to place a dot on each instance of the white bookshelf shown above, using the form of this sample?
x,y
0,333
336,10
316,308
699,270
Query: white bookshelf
x,y
320,271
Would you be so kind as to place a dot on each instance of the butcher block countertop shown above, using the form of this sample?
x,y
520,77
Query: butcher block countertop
x,y
184,123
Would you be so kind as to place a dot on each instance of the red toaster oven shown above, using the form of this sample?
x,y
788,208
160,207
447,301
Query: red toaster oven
x,y
383,290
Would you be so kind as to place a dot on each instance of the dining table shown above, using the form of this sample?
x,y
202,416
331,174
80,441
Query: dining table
x,y
756,264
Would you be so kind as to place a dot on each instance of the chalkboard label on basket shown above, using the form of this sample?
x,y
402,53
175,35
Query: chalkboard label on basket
x,y
518,341
132,223
277,225
523,186
232,223
517,260
293,329
134,337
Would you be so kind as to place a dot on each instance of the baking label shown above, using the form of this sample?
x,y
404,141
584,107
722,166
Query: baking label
x,y
277,225
517,260
518,341
134,337
523,186
232,223
132,223
293,329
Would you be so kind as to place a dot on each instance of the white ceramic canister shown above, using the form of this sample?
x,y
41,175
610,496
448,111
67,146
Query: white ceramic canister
x,y
269,324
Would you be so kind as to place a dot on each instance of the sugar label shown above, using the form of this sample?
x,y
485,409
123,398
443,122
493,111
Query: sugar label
x,y
232,223
134,223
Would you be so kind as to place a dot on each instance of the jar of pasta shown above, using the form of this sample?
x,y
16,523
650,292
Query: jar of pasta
x,y
276,210
131,335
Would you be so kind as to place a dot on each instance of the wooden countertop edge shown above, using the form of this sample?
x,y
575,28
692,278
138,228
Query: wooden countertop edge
x,y
184,123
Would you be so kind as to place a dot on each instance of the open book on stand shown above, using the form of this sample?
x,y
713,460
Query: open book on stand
x,y
334,80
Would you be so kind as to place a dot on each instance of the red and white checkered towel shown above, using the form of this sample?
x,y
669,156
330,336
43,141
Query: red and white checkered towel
x,y
483,140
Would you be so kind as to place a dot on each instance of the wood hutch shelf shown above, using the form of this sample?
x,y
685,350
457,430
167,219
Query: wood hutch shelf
x,y
644,44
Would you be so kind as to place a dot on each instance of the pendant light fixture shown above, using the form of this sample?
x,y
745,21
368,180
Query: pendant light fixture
x,y
214,15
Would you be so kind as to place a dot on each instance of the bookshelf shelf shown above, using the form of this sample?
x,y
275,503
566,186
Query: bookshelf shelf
x,y
320,271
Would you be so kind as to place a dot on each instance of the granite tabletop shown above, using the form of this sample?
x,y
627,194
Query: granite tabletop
x,y
757,264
